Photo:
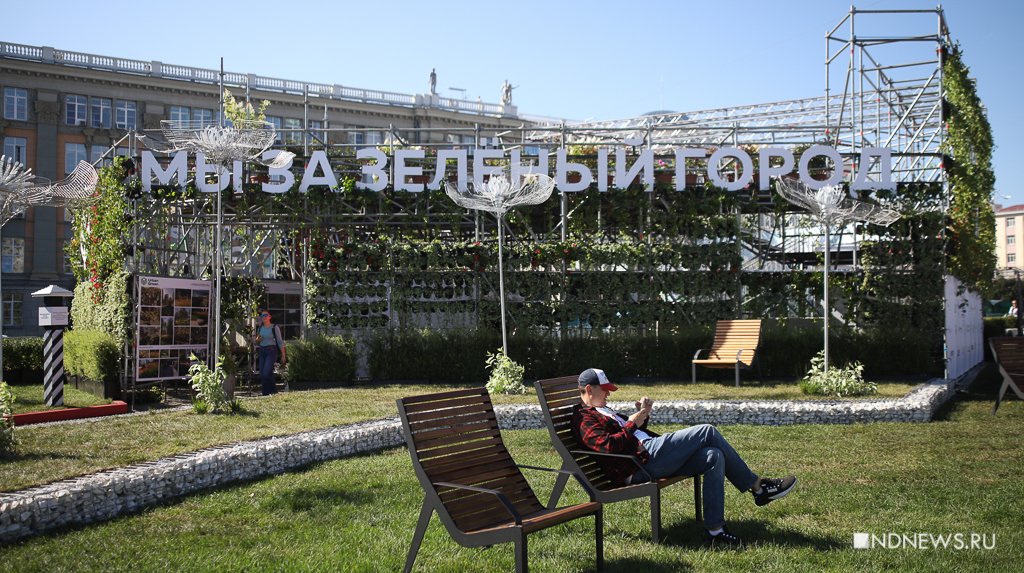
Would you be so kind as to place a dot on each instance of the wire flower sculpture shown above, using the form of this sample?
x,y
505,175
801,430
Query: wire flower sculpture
x,y
832,207
499,194
17,189
20,189
77,190
244,140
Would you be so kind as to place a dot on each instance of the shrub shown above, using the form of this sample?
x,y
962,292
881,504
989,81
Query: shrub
x,y
836,381
787,349
322,359
208,385
448,356
22,355
506,375
7,440
92,354
104,307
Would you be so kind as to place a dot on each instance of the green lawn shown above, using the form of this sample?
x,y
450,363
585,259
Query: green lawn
x,y
30,398
958,474
57,452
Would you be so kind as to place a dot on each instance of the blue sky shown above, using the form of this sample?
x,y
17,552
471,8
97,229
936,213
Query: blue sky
x,y
579,60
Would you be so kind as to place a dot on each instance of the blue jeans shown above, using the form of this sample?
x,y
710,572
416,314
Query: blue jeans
x,y
266,357
703,450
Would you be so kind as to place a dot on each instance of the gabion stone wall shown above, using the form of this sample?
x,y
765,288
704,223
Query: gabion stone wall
x,y
108,494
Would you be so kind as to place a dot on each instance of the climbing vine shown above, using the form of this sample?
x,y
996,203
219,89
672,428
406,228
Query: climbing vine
x,y
97,248
971,180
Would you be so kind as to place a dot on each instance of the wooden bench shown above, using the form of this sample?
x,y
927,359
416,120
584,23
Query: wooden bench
x,y
471,481
735,346
1008,352
557,397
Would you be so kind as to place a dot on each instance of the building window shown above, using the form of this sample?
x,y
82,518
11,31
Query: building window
x,y
66,267
1011,221
203,116
293,131
96,156
180,114
315,135
15,148
1010,258
75,109
12,308
276,122
356,138
125,114
73,153
1010,240
101,112
16,104
13,255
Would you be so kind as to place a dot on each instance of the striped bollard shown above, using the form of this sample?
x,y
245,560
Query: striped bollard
x,y
53,317
53,366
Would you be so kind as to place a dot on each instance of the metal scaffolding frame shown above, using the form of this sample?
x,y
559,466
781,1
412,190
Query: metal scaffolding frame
x,y
897,105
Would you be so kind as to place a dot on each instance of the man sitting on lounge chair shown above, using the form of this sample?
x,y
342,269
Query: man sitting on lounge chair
x,y
698,449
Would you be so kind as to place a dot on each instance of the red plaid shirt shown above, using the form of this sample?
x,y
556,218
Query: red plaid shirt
x,y
595,431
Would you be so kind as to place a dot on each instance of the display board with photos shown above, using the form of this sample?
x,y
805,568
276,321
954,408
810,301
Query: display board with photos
x,y
284,301
174,321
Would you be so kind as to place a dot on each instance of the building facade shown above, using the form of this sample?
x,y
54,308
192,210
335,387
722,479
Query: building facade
x,y
1009,229
62,107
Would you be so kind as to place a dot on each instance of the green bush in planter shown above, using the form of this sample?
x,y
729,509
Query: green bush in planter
x,y
23,360
321,359
7,439
92,354
434,355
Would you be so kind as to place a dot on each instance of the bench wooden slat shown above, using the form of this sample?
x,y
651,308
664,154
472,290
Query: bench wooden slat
x,y
409,401
449,439
424,410
449,420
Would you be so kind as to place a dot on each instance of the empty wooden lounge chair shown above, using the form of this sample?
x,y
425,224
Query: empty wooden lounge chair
x,y
735,346
470,479
1008,352
557,397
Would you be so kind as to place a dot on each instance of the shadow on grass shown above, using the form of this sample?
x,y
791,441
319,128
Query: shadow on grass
x,y
242,412
633,565
690,535
307,499
21,456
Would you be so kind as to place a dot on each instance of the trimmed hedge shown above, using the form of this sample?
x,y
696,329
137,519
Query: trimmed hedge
x,y
321,359
23,360
93,355
786,352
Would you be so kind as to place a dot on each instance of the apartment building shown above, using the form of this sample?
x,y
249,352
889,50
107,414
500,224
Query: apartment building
x,y
1009,230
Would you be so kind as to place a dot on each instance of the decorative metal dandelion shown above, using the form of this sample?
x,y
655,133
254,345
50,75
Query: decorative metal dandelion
x,y
499,194
832,207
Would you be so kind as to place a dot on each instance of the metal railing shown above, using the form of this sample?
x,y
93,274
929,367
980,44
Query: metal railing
x,y
237,80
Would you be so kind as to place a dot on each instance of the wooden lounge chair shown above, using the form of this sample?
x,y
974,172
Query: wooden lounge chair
x,y
735,346
1008,352
557,397
471,481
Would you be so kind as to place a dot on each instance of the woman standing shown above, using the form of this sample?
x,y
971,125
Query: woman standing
x,y
269,342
